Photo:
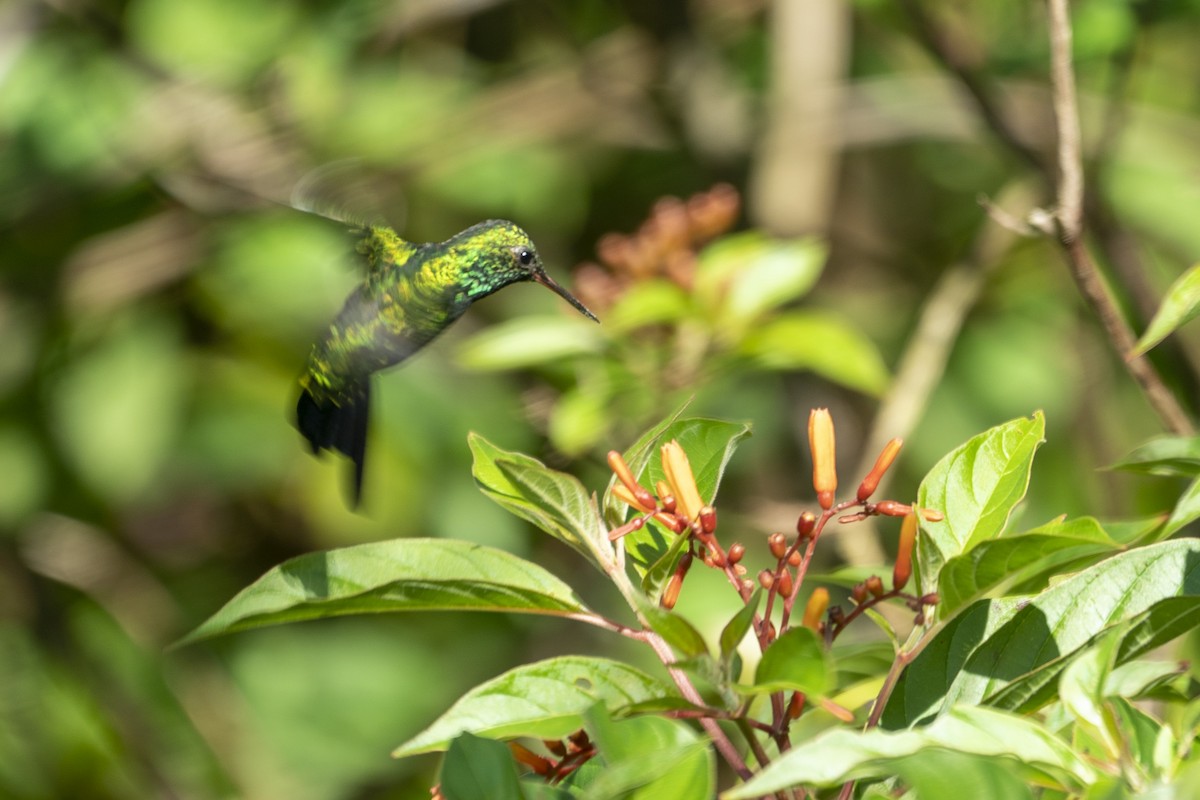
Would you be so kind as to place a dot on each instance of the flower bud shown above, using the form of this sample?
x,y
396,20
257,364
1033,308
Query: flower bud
x,y
908,537
679,476
766,579
671,521
824,456
796,705
794,558
555,746
785,583
671,594
932,515
747,585
818,601
708,519
634,524
859,593
736,552
627,497
890,508
778,544
871,482
875,585
930,599
805,525
616,462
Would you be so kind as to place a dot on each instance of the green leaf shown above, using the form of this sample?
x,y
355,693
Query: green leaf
x,y
736,629
1187,509
476,767
1020,557
677,631
1166,620
1166,455
940,775
1180,305
543,700
1138,678
976,486
856,662
118,441
993,643
579,420
649,758
1146,740
744,275
554,501
536,788
396,575
843,754
658,573
1081,690
824,343
530,341
651,302
709,444
796,660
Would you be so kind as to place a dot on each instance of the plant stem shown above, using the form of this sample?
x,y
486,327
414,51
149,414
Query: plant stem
x,y
663,650
720,739
1070,226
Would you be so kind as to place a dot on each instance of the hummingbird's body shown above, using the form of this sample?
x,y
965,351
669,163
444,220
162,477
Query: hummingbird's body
x,y
412,293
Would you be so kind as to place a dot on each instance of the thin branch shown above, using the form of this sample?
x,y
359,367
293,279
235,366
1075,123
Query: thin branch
x,y
663,650
1070,201
1070,225
1066,119
720,740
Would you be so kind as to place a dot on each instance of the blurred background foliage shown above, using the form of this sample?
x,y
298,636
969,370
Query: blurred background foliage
x,y
158,298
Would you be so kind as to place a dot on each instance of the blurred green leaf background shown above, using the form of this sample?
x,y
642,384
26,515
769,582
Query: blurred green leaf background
x,y
158,298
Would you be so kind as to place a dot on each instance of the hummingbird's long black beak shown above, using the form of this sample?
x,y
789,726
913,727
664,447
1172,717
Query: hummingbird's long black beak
x,y
545,280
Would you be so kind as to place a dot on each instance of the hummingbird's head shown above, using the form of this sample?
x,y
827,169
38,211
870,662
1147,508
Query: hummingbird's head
x,y
507,255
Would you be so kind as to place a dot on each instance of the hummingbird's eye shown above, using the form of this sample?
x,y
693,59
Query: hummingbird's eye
x,y
525,256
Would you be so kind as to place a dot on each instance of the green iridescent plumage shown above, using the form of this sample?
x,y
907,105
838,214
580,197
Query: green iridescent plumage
x,y
412,292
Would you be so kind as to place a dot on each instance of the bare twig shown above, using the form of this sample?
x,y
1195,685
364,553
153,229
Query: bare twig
x,y
1066,120
1070,225
1070,186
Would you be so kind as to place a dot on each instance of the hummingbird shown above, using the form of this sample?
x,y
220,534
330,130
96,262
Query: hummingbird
x,y
411,293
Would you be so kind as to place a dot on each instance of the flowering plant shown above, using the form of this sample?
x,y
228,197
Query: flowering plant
x,y
1021,665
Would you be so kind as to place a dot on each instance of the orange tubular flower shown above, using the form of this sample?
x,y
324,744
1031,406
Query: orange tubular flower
x,y
678,473
908,537
818,602
871,482
824,456
616,462
625,496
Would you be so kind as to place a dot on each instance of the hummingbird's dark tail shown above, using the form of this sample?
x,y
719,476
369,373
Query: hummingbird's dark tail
x,y
329,426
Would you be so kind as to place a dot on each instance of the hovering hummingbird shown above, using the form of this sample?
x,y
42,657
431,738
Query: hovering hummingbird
x,y
412,292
